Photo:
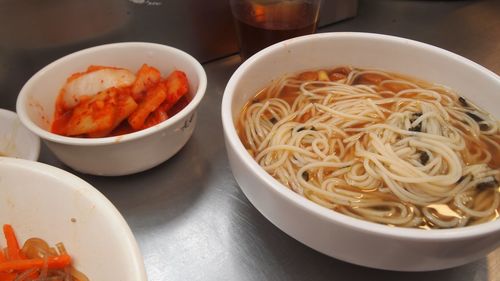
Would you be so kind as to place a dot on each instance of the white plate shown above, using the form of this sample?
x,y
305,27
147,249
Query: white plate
x,y
42,201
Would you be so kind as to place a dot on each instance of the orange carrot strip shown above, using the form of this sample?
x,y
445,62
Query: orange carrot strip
x,y
55,262
12,245
4,276
2,256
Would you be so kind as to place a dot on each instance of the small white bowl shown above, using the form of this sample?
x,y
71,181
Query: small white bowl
x,y
346,238
120,155
15,140
42,201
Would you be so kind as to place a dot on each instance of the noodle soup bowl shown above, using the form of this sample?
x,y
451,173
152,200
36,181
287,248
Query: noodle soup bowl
x,y
337,235
43,201
116,155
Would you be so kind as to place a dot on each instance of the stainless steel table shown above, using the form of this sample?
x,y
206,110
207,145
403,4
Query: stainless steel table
x,y
189,216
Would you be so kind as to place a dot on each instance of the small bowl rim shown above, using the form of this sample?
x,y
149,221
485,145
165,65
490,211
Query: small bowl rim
x,y
35,150
93,195
47,135
333,217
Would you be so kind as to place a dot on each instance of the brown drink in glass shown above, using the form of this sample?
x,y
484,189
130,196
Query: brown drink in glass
x,y
261,23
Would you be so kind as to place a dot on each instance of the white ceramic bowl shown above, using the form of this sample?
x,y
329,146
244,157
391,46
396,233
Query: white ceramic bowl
x,y
121,155
15,140
42,201
349,239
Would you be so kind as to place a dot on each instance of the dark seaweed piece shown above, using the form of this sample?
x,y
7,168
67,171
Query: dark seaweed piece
x,y
461,179
487,184
463,102
415,115
417,128
424,157
474,116
484,127
305,176
304,128
273,120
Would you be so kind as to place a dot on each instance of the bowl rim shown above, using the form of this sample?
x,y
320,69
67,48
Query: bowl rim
x,y
46,135
34,149
92,194
234,143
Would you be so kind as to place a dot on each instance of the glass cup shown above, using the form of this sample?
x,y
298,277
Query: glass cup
x,y
261,23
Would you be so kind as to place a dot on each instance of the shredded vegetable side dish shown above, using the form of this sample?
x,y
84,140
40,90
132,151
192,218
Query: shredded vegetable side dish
x,y
35,260
108,101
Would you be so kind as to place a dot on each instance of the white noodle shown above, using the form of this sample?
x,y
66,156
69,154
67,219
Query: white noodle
x,y
385,153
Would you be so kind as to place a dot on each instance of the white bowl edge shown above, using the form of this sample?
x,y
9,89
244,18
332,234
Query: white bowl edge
x,y
233,143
